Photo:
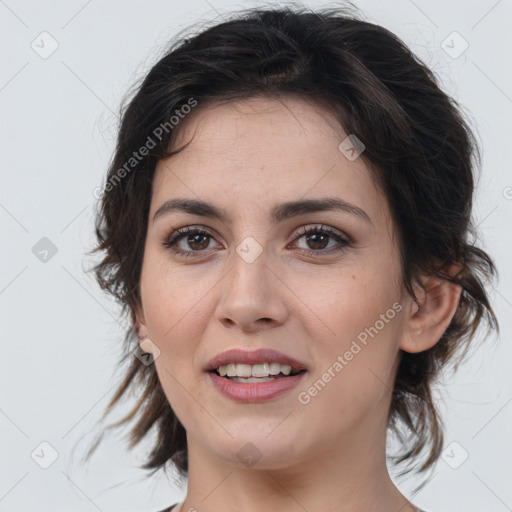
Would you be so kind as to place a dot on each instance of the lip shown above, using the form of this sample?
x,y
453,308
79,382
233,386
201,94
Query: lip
x,y
254,392
262,355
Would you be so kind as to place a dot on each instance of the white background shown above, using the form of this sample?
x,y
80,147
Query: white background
x,y
60,334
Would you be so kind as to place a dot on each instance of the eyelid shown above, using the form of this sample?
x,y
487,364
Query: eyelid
x,y
178,233
320,227
301,230
343,240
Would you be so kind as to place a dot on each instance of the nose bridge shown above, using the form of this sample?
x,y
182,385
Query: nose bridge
x,y
251,291
250,268
251,264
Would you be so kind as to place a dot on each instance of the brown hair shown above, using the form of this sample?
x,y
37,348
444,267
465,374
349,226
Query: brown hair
x,y
419,147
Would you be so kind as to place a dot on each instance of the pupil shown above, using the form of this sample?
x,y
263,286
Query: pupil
x,y
193,238
320,236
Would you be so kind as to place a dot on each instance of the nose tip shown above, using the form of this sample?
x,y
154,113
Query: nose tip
x,y
252,298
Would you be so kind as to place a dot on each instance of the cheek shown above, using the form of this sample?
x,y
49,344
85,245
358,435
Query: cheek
x,y
349,301
353,377
361,319
174,316
173,300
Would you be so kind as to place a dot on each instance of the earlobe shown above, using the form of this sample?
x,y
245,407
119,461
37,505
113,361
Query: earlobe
x,y
146,344
427,322
140,328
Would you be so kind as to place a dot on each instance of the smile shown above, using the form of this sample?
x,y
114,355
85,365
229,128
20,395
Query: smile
x,y
263,372
254,376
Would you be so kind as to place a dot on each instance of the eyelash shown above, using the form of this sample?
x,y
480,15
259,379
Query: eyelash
x,y
179,234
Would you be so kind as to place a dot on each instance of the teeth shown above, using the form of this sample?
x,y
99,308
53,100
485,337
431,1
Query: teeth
x,y
286,370
251,380
231,371
255,370
260,370
275,368
243,370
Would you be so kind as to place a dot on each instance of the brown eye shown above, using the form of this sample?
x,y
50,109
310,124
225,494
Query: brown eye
x,y
188,241
318,239
199,240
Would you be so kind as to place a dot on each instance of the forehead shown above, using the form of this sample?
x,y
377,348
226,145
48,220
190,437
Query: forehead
x,y
264,151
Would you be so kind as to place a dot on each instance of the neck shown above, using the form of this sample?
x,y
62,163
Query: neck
x,y
349,477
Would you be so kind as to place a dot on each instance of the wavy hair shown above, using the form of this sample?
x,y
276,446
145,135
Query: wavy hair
x,y
419,147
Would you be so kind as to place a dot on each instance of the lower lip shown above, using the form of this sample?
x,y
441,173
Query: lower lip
x,y
254,392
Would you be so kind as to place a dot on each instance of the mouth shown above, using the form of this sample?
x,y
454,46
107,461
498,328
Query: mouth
x,y
251,374
254,376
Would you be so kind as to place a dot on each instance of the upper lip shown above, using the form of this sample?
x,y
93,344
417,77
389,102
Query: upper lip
x,y
259,356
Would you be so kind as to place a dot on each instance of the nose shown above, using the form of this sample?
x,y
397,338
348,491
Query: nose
x,y
252,296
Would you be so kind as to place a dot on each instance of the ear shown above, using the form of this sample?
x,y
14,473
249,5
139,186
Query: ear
x,y
425,325
139,321
141,329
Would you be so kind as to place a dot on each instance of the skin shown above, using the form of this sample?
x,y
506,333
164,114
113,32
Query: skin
x,y
328,454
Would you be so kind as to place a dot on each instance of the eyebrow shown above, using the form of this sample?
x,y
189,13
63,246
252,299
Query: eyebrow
x,y
278,213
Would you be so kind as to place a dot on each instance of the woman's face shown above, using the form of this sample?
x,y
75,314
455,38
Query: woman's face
x,y
330,302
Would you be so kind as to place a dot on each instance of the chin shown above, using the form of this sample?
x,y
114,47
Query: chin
x,y
254,448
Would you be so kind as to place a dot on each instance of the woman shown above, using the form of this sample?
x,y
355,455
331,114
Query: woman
x,y
286,220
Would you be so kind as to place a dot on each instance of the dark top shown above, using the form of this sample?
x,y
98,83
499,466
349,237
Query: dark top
x,y
169,509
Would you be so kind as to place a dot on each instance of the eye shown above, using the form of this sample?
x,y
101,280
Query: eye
x,y
197,239
192,241
319,237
